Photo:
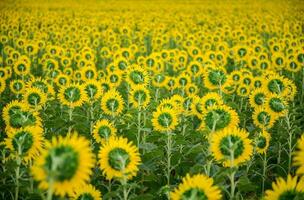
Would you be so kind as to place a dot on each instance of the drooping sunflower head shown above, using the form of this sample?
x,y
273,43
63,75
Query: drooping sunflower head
x,y
103,130
139,96
164,119
66,163
243,90
22,67
87,192
286,190
34,97
16,86
231,146
215,78
196,187
112,103
119,158
263,118
72,95
217,118
262,142
25,142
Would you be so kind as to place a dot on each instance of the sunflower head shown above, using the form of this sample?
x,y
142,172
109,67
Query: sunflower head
x,y
72,95
196,187
139,96
119,158
34,97
87,192
263,118
112,103
65,163
164,119
262,141
103,130
231,146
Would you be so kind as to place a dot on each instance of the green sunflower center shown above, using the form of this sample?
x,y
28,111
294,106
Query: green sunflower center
x,y
89,74
291,195
21,67
112,104
72,94
279,61
119,159
17,86
159,78
194,194
22,142
104,132
232,145
19,118
261,143
165,119
114,78
122,65
140,96
85,196
217,119
259,98
62,80
263,118
276,86
217,77
62,163
236,77
257,83
276,105
194,69
91,90
34,99
210,102
137,77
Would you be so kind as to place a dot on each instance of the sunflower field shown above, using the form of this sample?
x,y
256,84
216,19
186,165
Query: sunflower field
x,y
151,100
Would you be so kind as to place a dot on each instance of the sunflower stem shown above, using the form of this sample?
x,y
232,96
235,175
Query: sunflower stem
x,y
233,185
290,136
264,172
50,190
169,152
138,126
70,119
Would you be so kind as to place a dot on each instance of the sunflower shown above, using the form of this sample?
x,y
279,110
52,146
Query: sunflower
x,y
263,118
258,97
299,156
211,99
139,96
262,142
290,189
218,117
136,75
72,95
159,80
231,146
197,107
197,186
164,119
276,104
87,192
42,85
93,89
119,158
112,103
215,78
22,67
25,142
2,85
17,86
65,164
62,79
34,97
103,130
277,84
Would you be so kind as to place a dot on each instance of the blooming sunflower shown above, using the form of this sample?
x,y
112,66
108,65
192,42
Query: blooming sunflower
x,y
2,85
299,156
103,130
22,67
119,158
17,86
136,75
257,97
93,89
112,103
276,104
65,164
290,189
211,99
198,186
215,78
87,192
139,96
42,85
231,146
26,142
263,118
262,142
34,97
72,95
164,119
218,117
